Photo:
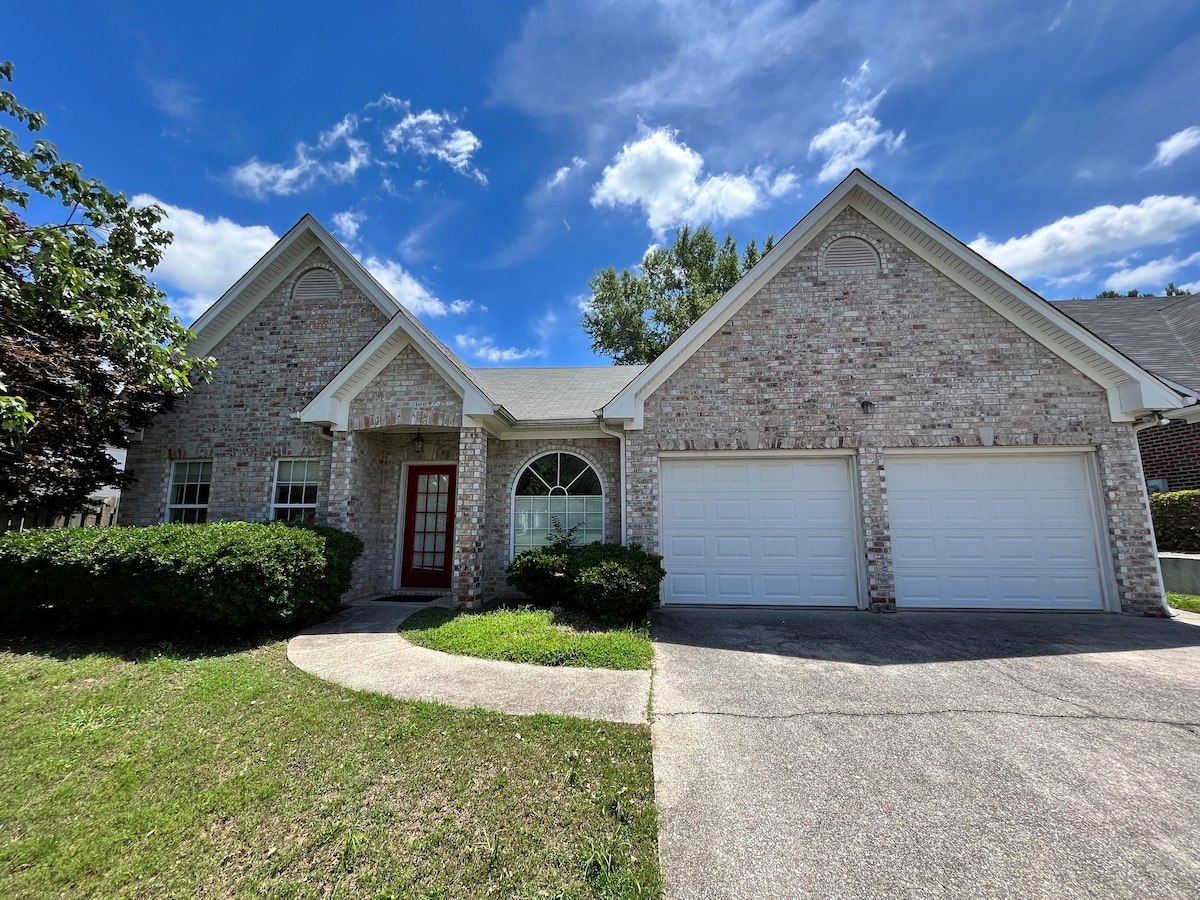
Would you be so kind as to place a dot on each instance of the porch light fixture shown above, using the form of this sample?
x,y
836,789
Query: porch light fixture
x,y
867,406
418,444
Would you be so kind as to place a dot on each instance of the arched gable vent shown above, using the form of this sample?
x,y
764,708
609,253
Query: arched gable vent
x,y
315,284
851,254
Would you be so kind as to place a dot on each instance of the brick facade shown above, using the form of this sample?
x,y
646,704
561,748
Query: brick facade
x,y
789,371
268,368
1172,452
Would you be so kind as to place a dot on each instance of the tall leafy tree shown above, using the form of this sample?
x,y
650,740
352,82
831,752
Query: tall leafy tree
x,y
634,315
89,350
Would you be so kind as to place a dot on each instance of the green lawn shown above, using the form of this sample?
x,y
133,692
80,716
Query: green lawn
x,y
200,772
1189,602
536,636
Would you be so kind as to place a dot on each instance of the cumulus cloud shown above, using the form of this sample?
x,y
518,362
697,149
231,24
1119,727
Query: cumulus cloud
x,y
413,295
1151,275
1178,144
310,164
348,222
847,144
432,134
485,348
666,178
1104,231
206,257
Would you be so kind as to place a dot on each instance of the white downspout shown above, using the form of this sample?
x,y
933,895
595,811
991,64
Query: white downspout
x,y
620,436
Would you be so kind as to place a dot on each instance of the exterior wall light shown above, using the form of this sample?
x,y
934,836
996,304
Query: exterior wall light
x,y
418,444
867,406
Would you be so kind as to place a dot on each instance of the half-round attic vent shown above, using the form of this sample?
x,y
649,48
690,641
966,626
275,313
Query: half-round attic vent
x,y
315,284
851,254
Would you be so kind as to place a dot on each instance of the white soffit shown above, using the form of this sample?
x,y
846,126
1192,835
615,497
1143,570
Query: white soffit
x,y
1131,389
276,265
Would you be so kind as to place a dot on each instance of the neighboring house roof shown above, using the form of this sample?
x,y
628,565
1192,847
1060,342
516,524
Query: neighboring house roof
x,y
1132,391
1162,334
554,393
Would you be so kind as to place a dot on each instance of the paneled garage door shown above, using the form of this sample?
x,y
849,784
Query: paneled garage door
x,y
997,532
774,531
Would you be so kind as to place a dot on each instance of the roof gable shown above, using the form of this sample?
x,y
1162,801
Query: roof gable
x,y
1132,390
276,266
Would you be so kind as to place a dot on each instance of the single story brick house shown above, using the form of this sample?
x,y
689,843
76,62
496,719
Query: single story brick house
x,y
1161,334
873,415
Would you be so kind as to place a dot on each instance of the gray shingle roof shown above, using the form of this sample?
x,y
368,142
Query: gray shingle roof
x,y
1161,334
554,393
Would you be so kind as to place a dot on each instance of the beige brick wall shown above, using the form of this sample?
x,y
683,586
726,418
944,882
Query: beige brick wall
x,y
790,369
268,368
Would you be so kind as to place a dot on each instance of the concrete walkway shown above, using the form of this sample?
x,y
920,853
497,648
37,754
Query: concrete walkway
x,y
360,648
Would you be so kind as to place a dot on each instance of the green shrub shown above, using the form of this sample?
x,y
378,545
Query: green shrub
x,y
1176,521
606,581
542,575
219,576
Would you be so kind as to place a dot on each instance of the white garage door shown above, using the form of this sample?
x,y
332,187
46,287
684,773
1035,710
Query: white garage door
x,y
999,532
773,532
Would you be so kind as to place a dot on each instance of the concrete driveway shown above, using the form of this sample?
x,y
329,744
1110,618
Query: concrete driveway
x,y
845,754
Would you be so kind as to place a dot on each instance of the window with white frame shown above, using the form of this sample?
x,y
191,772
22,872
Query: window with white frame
x,y
557,486
296,483
190,482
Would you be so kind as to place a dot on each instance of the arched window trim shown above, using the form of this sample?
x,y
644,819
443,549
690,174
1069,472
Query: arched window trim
x,y
528,461
883,263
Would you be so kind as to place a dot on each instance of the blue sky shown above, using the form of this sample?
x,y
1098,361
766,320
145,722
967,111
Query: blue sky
x,y
483,159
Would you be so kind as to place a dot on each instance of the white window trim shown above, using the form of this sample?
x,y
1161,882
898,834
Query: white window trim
x,y
275,507
530,460
171,490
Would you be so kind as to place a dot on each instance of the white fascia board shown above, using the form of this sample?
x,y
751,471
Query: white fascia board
x,y
309,231
1125,402
628,404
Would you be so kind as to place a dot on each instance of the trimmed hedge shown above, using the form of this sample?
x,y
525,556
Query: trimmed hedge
x,y
607,581
225,575
1176,521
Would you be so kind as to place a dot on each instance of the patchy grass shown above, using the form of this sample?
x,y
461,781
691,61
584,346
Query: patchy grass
x,y
537,636
1189,602
199,772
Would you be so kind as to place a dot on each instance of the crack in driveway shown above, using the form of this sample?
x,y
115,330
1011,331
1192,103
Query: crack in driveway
x,y
1190,727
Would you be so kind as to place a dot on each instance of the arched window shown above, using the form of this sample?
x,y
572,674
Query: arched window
x,y
557,486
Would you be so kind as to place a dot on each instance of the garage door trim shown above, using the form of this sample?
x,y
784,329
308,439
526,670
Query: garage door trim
x,y
1107,576
855,499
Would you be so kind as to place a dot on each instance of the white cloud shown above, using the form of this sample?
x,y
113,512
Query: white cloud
x,y
432,134
311,163
1178,144
413,295
565,172
847,144
1075,241
547,326
1150,276
666,179
206,257
485,348
348,222
175,98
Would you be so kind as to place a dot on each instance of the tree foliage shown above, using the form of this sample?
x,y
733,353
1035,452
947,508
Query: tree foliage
x,y
88,347
1170,291
635,314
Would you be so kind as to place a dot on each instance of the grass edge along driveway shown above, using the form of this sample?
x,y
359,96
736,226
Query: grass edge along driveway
x,y
199,771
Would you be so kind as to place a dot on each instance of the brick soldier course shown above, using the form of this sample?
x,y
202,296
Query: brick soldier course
x,y
783,363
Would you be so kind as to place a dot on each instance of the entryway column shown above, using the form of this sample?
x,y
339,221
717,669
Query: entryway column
x,y
881,589
469,517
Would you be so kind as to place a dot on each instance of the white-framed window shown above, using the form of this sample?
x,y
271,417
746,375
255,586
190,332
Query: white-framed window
x,y
560,486
296,482
190,482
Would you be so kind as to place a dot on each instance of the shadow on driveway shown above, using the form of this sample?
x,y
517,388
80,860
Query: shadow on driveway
x,y
887,639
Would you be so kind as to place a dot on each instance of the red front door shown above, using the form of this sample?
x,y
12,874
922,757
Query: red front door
x,y
428,527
